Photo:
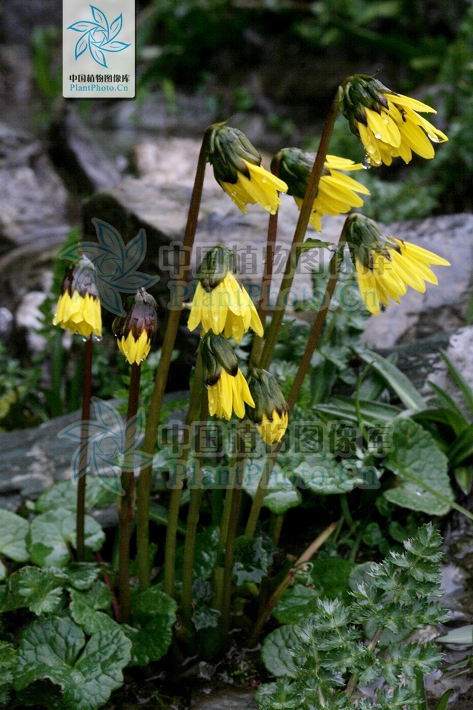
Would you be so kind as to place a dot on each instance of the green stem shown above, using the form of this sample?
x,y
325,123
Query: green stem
x,y
263,304
195,402
228,567
352,683
154,412
277,522
299,234
81,485
127,503
224,526
191,532
334,270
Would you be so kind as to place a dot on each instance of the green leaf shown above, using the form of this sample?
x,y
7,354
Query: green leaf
x,y
371,412
423,482
87,673
330,576
402,386
463,636
281,493
251,560
460,381
296,604
79,575
443,702
444,400
462,447
85,609
7,667
53,533
206,618
322,474
63,495
275,652
442,415
153,615
464,477
13,532
34,588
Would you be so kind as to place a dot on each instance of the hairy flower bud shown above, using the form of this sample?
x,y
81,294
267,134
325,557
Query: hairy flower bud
x,y
270,413
78,308
136,331
227,388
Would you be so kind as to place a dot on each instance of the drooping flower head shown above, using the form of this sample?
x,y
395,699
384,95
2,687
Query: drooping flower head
x,y
270,413
337,192
388,124
237,169
136,331
78,308
220,303
226,386
385,266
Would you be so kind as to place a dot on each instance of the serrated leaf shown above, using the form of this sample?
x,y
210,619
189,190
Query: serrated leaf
x,y
79,575
251,560
50,649
416,456
64,495
33,588
153,615
275,652
463,636
86,609
330,577
13,532
321,473
52,534
206,618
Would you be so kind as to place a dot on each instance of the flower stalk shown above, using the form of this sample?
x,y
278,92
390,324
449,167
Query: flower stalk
x,y
81,484
154,413
127,503
299,234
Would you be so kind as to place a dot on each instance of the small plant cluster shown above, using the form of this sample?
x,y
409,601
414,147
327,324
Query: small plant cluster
x,y
251,440
320,656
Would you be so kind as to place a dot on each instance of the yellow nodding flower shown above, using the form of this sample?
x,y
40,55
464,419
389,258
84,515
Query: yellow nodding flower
x,y
273,429
386,266
257,186
228,395
388,124
237,169
78,308
337,192
135,351
220,303
136,330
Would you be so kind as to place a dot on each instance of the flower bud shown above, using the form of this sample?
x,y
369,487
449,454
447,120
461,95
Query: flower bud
x,y
215,265
227,388
136,331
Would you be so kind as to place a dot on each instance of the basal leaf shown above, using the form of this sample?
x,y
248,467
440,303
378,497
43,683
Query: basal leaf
x,y
53,533
13,532
87,609
153,615
64,495
422,479
276,654
296,604
281,493
33,588
87,673
7,667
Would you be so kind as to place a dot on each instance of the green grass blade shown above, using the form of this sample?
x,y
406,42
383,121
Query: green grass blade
x,y
396,379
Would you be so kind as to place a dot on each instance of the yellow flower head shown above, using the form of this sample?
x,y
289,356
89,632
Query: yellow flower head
x,y
136,331
337,192
237,169
385,266
78,308
270,412
226,386
220,303
388,124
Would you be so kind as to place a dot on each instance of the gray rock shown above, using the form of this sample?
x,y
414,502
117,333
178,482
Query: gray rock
x,y
442,308
80,159
32,197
